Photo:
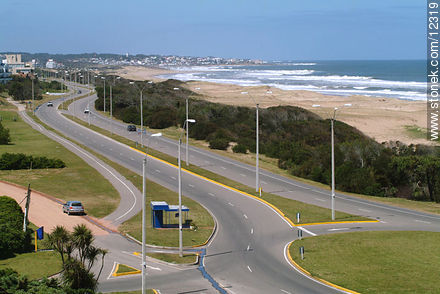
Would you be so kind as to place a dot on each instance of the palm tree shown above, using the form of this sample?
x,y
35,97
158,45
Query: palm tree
x,y
59,240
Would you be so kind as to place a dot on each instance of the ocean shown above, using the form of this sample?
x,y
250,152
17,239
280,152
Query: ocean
x,y
403,79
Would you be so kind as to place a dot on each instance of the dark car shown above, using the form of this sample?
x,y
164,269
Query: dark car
x,y
131,128
79,91
73,207
50,104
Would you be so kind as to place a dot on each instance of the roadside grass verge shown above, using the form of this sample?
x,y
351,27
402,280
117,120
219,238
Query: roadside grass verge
x,y
77,181
309,213
374,262
34,265
155,192
174,258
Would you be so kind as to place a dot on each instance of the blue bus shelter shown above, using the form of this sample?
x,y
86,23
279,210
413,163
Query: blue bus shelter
x,y
164,215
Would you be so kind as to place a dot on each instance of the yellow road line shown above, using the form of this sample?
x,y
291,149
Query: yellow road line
x,y
316,278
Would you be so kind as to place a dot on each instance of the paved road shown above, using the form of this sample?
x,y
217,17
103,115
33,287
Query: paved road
x,y
247,254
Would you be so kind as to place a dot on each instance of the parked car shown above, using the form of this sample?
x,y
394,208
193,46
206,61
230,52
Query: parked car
x,y
86,110
73,207
79,91
131,128
50,104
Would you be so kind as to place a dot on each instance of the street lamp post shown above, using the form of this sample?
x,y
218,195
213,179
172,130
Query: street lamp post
x,y
332,120
144,217
104,92
187,128
180,188
257,159
111,104
141,90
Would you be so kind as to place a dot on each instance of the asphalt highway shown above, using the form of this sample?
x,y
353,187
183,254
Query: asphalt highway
x,y
247,254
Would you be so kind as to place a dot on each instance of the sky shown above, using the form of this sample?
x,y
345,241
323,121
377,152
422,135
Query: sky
x,y
268,30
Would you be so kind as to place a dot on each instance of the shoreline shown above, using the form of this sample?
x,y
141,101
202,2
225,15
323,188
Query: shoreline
x,y
383,119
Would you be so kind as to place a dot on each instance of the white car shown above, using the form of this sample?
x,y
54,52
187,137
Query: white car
x,y
86,110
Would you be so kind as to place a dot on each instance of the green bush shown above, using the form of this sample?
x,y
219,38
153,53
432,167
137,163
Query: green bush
x,y
219,143
12,237
4,135
16,161
239,148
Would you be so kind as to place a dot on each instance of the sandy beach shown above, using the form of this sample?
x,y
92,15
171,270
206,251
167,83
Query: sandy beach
x,y
383,119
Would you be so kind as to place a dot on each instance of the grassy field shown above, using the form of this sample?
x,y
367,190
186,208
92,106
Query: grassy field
x,y
174,258
77,181
169,237
374,262
309,213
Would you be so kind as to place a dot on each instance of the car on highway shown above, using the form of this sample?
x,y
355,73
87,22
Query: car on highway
x,y
86,110
131,128
79,91
73,207
50,104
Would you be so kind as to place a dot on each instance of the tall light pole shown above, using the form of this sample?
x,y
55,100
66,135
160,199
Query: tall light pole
x,y
187,128
180,188
141,90
332,120
257,157
104,92
144,217
111,104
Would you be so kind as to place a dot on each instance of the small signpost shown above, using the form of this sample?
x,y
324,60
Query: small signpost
x,y
39,235
298,216
301,251
300,234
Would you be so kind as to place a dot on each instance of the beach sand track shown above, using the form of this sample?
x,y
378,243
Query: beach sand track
x,y
46,210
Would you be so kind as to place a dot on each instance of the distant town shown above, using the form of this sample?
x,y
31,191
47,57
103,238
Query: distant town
x,y
27,61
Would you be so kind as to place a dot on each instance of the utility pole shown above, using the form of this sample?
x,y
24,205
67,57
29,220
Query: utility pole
x,y
26,208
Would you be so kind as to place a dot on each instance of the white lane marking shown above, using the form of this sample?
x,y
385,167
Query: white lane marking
x,y
307,231
285,291
174,178
153,268
222,167
111,272
252,231
364,210
245,216
339,229
328,194
120,154
211,194
111,149
420,221
383,222
230,204
263,182
243,175
319,199
158,171
191,185
249,247
131,158
249,268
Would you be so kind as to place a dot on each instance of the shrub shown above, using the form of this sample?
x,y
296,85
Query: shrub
x,y
219,143
16,161
239,148
4,135
12,237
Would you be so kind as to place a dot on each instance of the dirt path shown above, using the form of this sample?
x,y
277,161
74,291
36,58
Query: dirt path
x,y
46,210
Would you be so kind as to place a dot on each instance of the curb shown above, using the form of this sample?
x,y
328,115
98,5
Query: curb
x,y
115,274
293,263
